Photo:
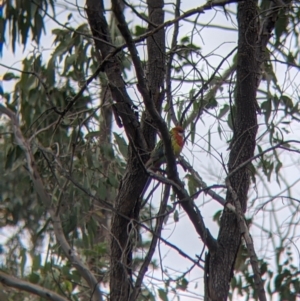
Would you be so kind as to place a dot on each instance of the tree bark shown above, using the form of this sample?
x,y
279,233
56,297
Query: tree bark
x,y
134,180
220,262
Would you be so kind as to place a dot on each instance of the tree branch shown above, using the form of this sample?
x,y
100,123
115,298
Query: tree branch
x,y
245,163
152,248
172,173
30,287
119,15
249,242
201,183
170,65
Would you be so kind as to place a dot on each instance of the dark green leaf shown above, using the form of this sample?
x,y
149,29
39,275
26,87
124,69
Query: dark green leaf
x,y
139,30
281,26
122,145
162,294
185,40
176,216
36,263
223,111
266,107
9,76
34,278
287,101
217,216
182,284
92,134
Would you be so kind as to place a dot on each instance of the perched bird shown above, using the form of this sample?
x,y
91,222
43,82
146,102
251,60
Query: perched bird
x,y
157,157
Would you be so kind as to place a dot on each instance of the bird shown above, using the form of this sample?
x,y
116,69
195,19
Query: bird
x,y
157,156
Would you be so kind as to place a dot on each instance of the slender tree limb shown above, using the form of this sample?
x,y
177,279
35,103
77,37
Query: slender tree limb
x,y
267,25
278,145
205,86
158,228
123,27
45,198
110,64
183,254
249,243
163,179
30,288
142,17
170,65
186,165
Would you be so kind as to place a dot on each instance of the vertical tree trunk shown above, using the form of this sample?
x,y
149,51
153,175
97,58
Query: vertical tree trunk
x,y
221,261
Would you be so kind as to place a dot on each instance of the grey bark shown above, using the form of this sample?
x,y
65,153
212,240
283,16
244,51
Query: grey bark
x,y
220,262
133,182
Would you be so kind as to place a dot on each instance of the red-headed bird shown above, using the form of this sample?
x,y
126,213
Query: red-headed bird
x,y
158,157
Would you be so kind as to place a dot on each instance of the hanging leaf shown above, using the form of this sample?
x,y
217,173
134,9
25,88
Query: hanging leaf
x,y
162,294
122,145
182,284
223,111
176,216
9,76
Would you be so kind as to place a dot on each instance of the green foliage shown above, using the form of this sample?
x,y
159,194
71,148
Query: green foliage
x,y
25,18
284,282
162,294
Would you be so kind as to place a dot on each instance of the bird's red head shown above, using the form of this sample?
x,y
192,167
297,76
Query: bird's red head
x,y
179,134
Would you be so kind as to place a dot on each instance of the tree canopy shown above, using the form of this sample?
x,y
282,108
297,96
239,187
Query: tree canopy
x,y
88,88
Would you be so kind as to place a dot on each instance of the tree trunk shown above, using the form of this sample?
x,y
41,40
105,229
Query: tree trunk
x,y
220,262
135,178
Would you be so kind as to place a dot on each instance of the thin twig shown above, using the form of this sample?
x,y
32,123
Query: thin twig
x,y
205,86
260,155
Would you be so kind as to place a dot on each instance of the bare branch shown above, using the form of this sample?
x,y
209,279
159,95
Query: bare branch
x,y
249,242
123,27
30,287
139,15
201,183
169,65
152,248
